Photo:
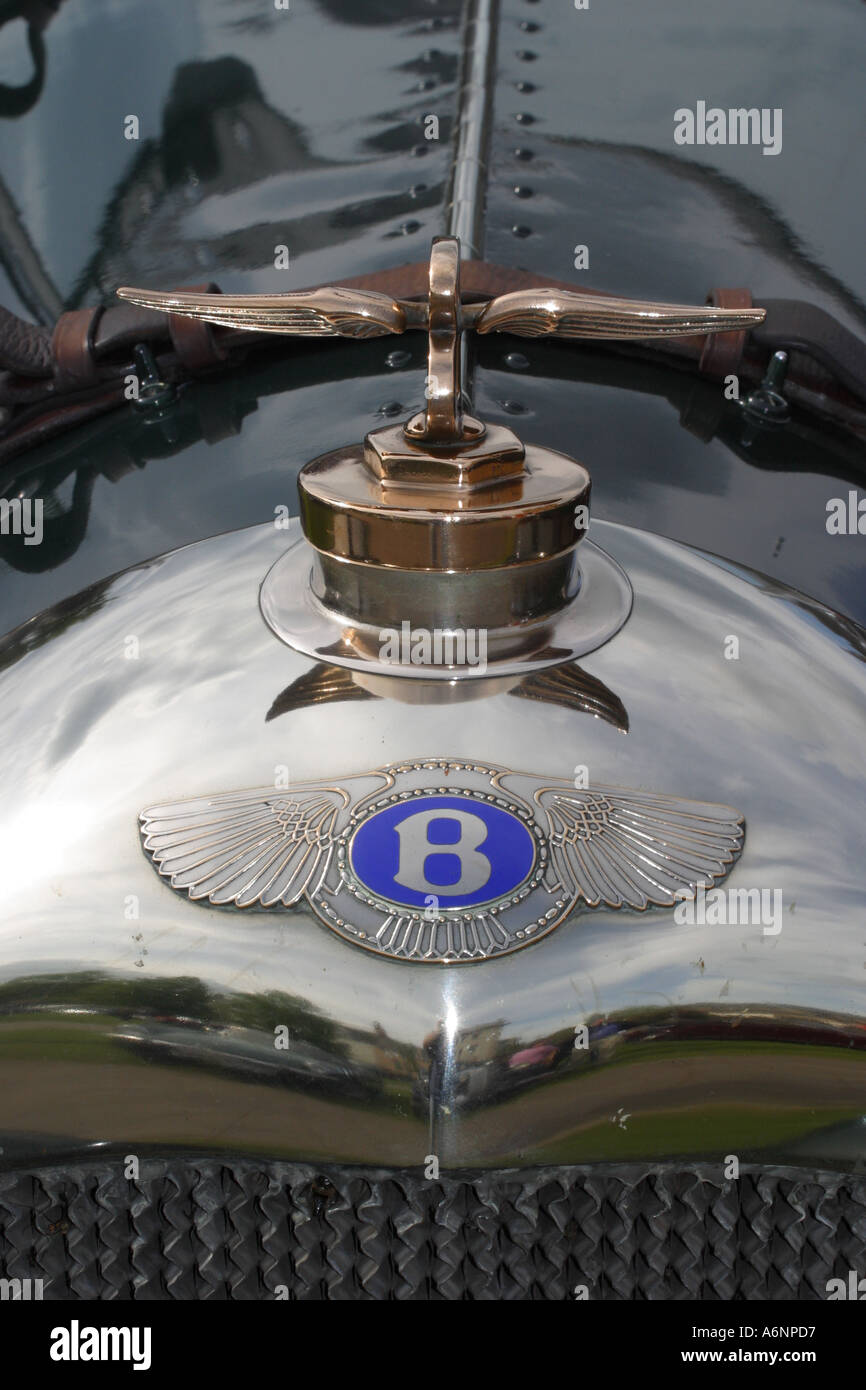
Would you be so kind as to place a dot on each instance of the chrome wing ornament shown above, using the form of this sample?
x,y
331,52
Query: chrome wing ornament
x,y
439,860
345,312
559,314
342,312
332,312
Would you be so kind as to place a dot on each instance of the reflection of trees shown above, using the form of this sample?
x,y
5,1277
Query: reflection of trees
x,y
181,996
381,12
219,138
274,1008
52,622
251,16
96,990
186,999
705,1023
758,221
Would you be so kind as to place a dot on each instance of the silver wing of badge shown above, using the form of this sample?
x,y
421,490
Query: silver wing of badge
x,y
619,848
258,848
600,847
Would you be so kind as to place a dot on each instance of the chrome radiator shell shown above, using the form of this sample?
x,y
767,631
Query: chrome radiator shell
x,y
134,1019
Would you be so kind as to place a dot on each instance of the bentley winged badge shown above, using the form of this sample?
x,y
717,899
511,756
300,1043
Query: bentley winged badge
x,y
429,531
441,860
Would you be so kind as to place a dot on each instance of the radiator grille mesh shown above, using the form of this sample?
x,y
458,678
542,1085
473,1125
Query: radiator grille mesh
x,y
201,1229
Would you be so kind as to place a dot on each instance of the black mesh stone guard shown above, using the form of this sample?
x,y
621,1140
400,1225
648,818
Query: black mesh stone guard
x,y
199,1228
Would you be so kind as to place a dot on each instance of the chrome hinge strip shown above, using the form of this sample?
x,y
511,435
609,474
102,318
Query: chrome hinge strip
x,y
468,186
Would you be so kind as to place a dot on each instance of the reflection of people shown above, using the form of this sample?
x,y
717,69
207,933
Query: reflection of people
x,y
427,1090
541,1054
436,1046
385,1054
599,1028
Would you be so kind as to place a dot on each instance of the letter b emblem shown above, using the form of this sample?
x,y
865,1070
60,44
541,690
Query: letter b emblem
x,y
416,848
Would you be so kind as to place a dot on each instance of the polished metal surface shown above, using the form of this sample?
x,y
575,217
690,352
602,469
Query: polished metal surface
x,y
443,421
575,689
481,456
348,513
568,614
132,1017
566,685
520,602
445,526
608,846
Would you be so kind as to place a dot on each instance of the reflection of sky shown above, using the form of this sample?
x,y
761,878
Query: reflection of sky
x,y
616,73
343,85
805,58
613,74
68,152
63,159
649,472
209,488
775,734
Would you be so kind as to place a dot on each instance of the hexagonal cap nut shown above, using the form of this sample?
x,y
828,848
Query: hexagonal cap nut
x,y
394,458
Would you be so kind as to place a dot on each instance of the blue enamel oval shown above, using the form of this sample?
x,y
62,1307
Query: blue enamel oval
x,y
458,850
